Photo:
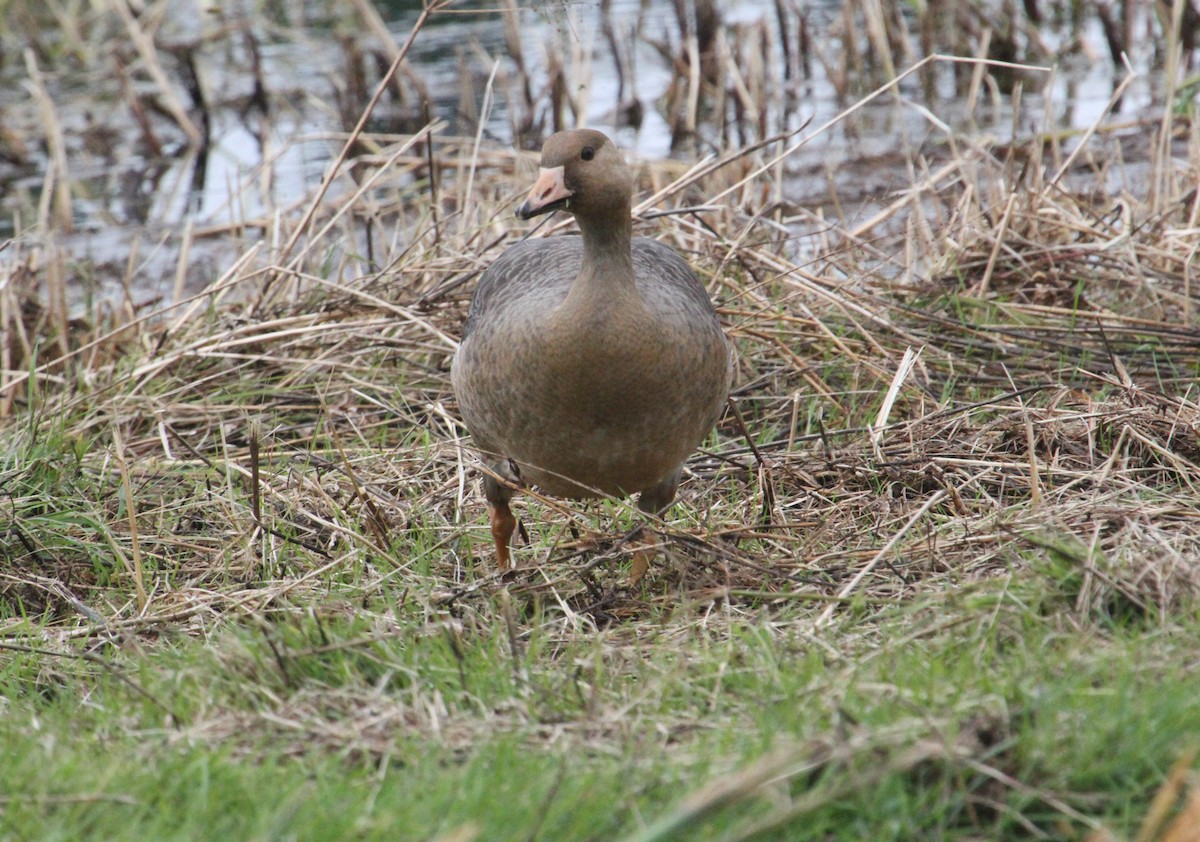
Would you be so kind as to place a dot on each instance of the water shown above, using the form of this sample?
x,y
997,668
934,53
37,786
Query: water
x,y
130,209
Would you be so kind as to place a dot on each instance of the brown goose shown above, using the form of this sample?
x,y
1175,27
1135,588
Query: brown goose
x,y
590,365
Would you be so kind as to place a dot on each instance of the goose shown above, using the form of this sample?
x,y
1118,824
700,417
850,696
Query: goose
x,y
589,365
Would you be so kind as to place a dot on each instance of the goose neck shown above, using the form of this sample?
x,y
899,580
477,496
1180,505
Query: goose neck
x,y
607,251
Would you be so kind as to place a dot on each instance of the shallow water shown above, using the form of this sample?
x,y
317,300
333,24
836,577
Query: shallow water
x,y
130,209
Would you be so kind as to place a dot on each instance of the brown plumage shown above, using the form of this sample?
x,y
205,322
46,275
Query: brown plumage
x,y
590,365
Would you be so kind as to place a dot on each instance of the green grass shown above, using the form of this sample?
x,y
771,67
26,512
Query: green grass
x,y
368,725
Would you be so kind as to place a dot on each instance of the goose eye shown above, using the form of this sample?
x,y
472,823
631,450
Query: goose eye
x,y
588,153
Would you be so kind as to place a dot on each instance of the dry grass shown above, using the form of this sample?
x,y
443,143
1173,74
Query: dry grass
x,y
294,421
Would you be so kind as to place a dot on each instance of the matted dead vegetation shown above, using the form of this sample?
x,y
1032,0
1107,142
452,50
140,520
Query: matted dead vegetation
x,y
293,425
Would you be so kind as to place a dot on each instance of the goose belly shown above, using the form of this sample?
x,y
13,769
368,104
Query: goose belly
x,y
613,419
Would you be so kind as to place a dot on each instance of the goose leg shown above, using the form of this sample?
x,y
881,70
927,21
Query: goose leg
x,y
653,501
500,518
503,525
641,557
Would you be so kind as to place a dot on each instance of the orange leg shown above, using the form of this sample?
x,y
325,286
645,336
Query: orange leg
x,y
653,501
641,557
503,525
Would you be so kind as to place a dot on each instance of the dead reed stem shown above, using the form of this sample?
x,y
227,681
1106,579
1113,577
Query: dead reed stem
x,y
56,191
149,55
